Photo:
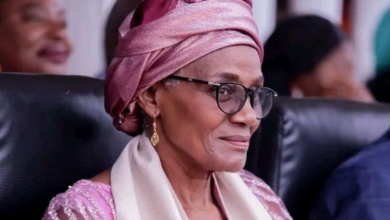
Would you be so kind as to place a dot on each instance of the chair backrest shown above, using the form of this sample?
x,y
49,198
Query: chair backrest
x,y
53,132
302,141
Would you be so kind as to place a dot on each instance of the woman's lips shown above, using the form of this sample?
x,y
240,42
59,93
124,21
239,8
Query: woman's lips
x,y
240,141
54,56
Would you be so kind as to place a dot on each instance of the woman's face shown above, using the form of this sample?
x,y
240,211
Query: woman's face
x,y
337,67
190,124
33,37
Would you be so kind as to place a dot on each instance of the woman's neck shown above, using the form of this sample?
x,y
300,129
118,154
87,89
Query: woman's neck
x,y
191,184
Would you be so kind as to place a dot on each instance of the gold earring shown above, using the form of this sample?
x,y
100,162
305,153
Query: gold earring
x,y
154,139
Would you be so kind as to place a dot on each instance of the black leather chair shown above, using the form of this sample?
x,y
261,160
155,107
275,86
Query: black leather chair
x,y
53,132
302,141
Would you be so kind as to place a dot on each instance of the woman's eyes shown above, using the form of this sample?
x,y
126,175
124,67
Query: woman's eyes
x,y
42,17
35,17
222,91
212,89
226,90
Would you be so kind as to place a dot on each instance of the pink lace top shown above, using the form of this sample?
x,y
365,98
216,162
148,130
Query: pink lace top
x,y
92,200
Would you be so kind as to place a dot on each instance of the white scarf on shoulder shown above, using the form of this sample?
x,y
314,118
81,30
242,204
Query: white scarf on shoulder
x,y
142,191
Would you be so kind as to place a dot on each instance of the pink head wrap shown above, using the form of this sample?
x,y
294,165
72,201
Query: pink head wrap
x,y
163,36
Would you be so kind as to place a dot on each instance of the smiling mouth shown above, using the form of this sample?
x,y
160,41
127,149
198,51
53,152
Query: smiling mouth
x,y
54,56
238,141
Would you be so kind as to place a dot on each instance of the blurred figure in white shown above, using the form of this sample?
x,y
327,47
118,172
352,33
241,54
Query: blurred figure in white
x,y
87,20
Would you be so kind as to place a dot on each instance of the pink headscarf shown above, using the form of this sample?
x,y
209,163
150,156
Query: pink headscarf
x,y
163,36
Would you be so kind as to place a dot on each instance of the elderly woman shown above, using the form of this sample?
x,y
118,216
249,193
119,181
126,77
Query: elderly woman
x,y
307,56
33,37
186,82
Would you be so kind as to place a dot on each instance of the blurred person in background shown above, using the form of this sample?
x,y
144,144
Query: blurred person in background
x,y
33,37
307,56
359,188
119,12
380,87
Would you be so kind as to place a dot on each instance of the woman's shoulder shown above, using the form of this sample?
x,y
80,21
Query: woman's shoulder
x,y
84,200
272,203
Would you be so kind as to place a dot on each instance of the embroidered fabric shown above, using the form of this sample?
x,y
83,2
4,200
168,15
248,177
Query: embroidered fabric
x,y
87,200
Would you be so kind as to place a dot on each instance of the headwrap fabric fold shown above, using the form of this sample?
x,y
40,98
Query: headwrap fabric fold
x,y
158,47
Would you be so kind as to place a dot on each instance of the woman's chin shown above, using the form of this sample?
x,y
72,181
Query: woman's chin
x,y
55,70
46,67
231,167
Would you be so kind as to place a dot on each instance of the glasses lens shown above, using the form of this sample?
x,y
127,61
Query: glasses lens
x,y
262,102
231,97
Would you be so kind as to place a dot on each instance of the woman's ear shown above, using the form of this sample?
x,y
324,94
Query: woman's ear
x,y
297,86
147,101
296,92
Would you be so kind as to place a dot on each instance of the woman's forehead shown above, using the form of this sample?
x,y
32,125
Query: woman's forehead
x,y
23,5
236,63
231,53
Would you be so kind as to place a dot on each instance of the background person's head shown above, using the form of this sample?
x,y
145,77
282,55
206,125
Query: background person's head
x,y
33,37
380,87
307,54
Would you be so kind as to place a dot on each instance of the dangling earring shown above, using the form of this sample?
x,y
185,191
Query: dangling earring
x,y
154,139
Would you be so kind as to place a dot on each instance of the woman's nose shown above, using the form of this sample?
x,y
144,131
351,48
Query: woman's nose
x,y
246,115
57,30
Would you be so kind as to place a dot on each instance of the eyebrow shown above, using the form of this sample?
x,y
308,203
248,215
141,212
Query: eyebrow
x,y
235,78
32,5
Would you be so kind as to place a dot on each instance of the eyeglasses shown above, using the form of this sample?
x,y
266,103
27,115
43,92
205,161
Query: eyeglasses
x,y
231,96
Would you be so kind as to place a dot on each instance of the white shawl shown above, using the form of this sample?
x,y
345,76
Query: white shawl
x,y
142,191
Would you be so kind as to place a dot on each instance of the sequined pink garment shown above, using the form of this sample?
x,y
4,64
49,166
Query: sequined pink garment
x,y
90,200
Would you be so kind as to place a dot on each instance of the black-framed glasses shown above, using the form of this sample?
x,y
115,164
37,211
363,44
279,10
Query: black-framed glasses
x,y
231,96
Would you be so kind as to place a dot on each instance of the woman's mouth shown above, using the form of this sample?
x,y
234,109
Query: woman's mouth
x,y
57,56
237,140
